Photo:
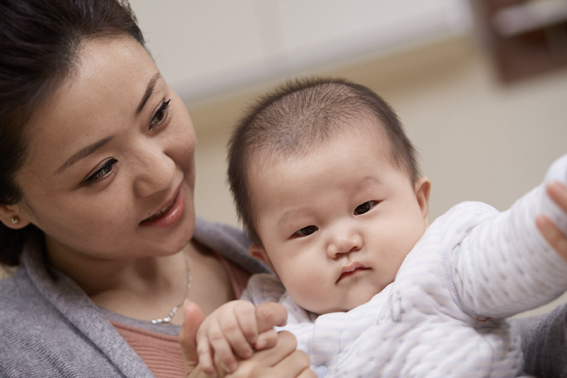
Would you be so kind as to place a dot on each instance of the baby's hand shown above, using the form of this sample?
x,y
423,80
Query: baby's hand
x,y
230,330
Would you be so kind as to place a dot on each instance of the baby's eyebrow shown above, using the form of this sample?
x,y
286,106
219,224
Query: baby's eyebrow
x,y
368,181
288,217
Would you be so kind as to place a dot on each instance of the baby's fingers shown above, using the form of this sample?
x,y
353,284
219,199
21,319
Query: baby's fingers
x,y
266,340
205,353
235,328
223,357
245,313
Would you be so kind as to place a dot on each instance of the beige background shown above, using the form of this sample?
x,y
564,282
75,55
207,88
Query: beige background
x,y
478,140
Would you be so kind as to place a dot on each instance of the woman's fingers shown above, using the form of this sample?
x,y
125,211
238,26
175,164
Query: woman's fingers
x,y
192,319
307,373
281,361
551,231
558,193
294,365
286,345
553,235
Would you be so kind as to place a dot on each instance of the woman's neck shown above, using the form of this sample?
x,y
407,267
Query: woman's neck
x,y
148,288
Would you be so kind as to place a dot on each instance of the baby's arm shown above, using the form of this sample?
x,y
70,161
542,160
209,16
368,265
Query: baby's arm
x,y
230,332
506,264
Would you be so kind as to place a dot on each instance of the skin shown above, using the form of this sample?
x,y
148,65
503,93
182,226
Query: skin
x,y
558,193
334,235
110,180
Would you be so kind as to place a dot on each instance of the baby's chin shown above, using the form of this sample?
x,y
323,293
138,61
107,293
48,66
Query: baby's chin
x,y
345,306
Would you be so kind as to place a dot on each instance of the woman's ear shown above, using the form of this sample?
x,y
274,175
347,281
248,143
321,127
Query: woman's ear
x,y
422,190
257,250
12,217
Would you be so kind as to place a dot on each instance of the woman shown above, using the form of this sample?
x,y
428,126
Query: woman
x,y
96,200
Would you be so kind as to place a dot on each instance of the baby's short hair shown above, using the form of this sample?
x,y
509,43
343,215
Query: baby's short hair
x,y
301,114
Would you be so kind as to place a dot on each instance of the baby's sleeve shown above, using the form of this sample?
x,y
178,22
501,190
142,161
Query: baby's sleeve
x,y
263,288
499,264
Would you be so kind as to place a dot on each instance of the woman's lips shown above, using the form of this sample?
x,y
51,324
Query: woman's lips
x,y
169,215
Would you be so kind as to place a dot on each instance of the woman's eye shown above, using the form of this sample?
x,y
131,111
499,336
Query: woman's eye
x,y
101,173
160,115
306,231
364,208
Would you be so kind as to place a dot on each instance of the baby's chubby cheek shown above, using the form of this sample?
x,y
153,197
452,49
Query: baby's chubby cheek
x,y
308,292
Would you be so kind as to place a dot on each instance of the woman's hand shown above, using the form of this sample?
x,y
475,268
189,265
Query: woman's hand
x,y
281,361
192,318
554,236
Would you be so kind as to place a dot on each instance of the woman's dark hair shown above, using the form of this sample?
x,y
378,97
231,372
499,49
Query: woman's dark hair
x,y
39,43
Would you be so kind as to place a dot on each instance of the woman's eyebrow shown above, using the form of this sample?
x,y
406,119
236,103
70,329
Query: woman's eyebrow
x,y
83,153
148,93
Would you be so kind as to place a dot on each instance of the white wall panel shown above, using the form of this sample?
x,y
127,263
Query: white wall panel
x,y
208,47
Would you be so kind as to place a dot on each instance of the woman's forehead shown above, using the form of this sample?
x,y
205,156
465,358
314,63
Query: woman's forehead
x,y
102,91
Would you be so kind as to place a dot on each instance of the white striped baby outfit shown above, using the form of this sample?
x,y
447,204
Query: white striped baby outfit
x,y
445,315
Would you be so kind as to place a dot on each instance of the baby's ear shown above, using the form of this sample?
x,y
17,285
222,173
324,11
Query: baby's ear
x,y
422,190
257,250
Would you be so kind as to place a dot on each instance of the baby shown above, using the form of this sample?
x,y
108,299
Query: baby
x,y
326,182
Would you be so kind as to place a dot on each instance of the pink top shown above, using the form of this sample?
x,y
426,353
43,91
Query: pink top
x,y
162,353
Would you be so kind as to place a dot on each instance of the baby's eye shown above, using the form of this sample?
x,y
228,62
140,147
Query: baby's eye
x,y
365,207
306,231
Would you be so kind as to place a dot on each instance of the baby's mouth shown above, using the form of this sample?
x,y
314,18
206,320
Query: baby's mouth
x,y
351,270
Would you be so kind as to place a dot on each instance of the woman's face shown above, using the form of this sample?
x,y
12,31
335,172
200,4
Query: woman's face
x,y
111,172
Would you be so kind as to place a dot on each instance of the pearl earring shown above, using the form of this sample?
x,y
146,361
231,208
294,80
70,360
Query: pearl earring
x,y
15,220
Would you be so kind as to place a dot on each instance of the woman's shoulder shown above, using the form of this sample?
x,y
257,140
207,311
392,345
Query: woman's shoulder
x,y
16,295
49,334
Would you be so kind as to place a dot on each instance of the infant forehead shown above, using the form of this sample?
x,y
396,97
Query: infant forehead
x,y
299,142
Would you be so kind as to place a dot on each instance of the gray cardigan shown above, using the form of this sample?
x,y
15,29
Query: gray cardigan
x,y
50,328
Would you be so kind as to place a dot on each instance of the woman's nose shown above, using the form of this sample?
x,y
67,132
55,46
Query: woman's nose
x,y
155,172
345,241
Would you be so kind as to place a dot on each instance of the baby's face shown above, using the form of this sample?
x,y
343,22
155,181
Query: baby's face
x,y
336,223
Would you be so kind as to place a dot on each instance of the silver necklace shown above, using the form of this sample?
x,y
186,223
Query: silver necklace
x,y
167,319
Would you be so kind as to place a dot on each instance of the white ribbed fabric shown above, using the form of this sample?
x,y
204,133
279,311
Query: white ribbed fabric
x,y
445,313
